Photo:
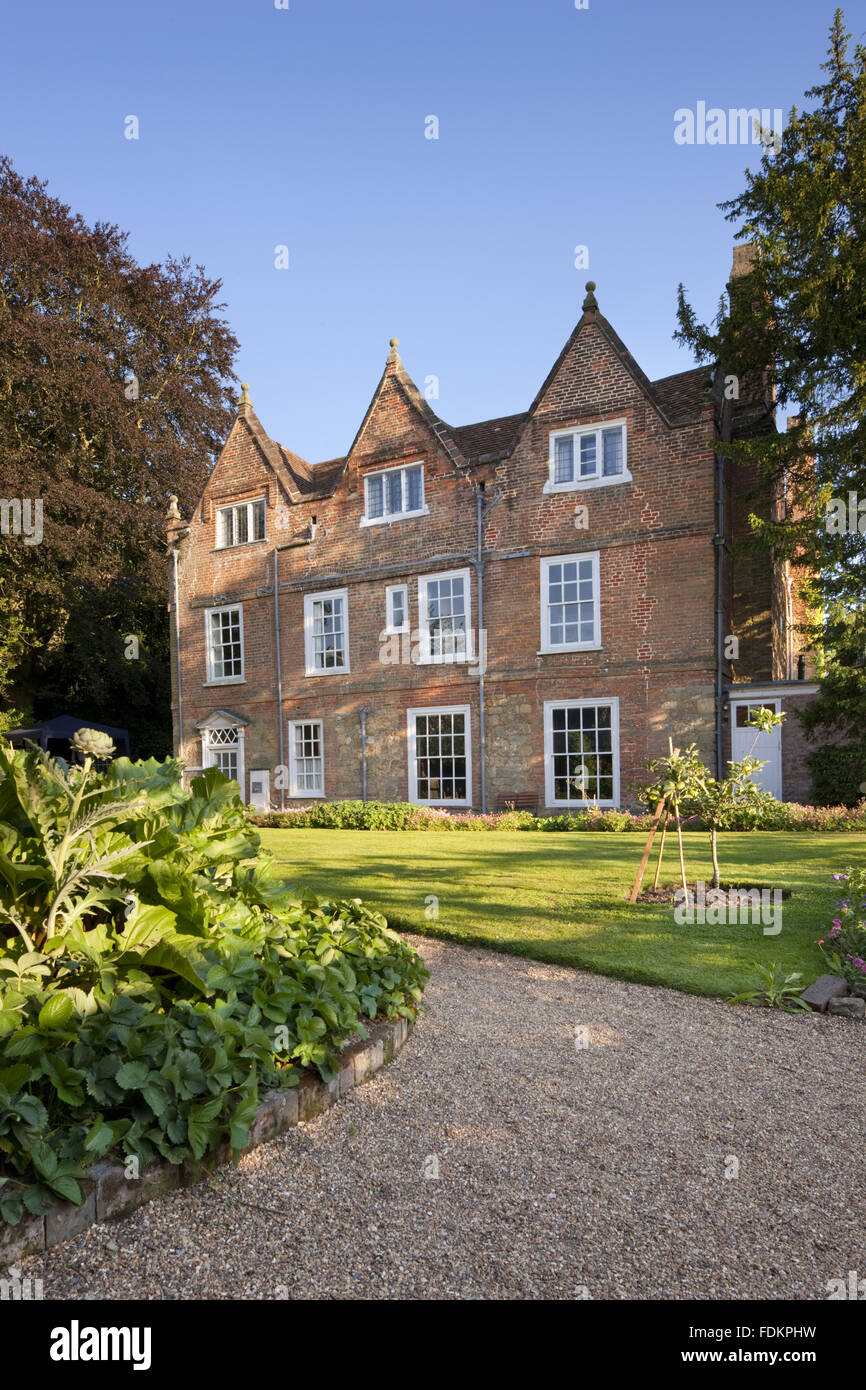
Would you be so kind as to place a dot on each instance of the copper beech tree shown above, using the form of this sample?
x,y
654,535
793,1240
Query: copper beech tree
x,y
115,390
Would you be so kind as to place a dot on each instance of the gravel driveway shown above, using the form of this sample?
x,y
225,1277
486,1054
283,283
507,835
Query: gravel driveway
x,y
565,1170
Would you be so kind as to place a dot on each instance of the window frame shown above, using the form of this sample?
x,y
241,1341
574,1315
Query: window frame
x,y
597,479
412,760
387,517
309,652
304,794
547,648
585,702
390,629
234,506
425,655
209,646
208,754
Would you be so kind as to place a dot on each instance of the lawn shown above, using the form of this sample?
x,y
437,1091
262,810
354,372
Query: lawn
x,y
562,897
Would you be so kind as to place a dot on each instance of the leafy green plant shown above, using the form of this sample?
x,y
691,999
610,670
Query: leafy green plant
x,y
157,976
774,989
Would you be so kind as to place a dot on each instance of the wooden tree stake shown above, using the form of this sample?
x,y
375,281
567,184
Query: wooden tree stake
x,y
646,854
661,849
682,859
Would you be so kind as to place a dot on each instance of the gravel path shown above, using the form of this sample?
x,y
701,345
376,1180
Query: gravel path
x,y
564,1170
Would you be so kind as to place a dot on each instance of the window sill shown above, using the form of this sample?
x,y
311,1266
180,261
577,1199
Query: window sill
x,y
586,484
581,805
464,805
242,545
227,680
581,647
396,516
446,661
334,671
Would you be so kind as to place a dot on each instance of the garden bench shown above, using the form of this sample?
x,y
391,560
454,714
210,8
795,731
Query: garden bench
x,y
520,801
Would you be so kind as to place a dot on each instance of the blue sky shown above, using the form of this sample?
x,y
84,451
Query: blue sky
x,y
305,127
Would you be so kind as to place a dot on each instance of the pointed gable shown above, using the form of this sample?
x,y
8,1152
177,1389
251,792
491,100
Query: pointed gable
x,y
249,455
399,422
595,373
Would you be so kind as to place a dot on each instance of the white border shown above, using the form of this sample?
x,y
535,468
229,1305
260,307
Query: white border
x,y
294,793
209,654
597,480
309,600
425,657
411,741
549,707
545,561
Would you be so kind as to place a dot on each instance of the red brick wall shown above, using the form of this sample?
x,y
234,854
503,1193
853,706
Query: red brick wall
x,y
654,536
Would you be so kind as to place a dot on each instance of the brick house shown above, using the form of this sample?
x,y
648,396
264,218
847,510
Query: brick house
x,y
525,607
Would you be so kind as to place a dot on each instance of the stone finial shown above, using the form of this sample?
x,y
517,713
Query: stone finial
x,y
244,403
590,302
393,355
173,513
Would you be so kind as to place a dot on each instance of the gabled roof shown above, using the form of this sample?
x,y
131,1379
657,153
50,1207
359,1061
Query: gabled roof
x,y
684,393
221,716
678,398
489,437
396,372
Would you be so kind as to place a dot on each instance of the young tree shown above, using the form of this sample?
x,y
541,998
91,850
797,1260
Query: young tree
x,y
715,798
797,321
114,392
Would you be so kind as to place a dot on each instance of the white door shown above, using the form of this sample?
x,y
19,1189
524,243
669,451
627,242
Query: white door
x,y
747,742
260,790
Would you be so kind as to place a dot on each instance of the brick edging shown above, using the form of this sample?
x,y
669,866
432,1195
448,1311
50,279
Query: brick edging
x,y
110,1194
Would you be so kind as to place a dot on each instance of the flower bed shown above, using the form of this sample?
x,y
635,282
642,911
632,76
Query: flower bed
x,y
380,815
844,946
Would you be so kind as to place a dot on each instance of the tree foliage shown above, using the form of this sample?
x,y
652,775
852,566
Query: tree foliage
x,y
798,317
114,392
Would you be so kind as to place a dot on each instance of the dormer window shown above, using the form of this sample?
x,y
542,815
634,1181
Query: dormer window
x,y
587,458
241,524
393,494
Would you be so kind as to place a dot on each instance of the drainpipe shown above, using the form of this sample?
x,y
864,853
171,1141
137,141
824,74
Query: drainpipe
x,y
363,752
175,553
479,570
789,623
279,677
719,543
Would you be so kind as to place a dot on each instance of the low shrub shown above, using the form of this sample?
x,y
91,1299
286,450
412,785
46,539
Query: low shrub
x,y
616,821
394,815
770,814
838,772
156,977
